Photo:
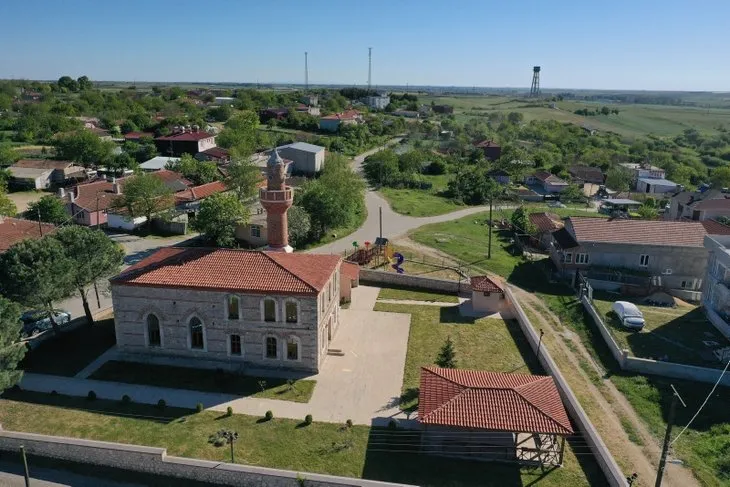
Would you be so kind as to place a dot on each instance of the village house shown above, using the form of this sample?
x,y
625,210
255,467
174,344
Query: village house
x,y
377,102
500,175
61,171
698,205
138,136
487,295
650,179
331,123
218,155
545,224
716,291
406,113
635,256
492,150
492,416
586,174
254,231
231,308
546,183
30,177
158,163
446,109
185,140
14,230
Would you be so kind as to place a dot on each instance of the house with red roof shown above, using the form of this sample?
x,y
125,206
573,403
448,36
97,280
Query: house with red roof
x,y
332,123
492,150
14,230
185,140
635,256
481,415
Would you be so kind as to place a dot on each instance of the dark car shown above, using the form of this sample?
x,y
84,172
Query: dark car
x,y
35,322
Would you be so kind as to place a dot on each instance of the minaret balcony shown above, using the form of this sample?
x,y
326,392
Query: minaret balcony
x,y
273,195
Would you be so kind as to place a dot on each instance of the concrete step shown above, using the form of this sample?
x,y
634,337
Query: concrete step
x,y
335,351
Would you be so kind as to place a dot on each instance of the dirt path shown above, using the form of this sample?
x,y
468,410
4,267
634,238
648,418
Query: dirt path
x,y
607,407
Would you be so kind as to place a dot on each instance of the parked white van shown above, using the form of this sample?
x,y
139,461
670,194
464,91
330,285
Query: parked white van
x,y
628,314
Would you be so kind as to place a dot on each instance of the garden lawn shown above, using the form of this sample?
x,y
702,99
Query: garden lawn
x,y
672,333
325,448
206,380
71,351
485,344
418,202
414,295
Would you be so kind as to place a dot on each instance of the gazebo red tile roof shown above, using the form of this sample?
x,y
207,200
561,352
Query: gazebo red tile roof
x,y
495,401
485,284
232,270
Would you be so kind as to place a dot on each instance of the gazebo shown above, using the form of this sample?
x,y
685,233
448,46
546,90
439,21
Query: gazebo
x,y
492,416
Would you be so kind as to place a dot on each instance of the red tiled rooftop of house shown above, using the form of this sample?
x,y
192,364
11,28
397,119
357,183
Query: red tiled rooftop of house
x,y
485,284
217,153
492,401
196,193
14,230
548,177
486,143
546,222
232,270
186,136
713,227
713,204
350,270
138,135
640,232
96,196
346,115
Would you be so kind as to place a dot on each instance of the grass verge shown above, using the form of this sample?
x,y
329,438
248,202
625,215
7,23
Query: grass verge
x,y
205,380
414,295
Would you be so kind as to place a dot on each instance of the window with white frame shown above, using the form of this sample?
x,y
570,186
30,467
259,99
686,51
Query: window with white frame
x,y
269,309
271,347
292,348
667,271
235,342
256,231
154,337
197,337
568,257
644,260
234,303
581,258
291,312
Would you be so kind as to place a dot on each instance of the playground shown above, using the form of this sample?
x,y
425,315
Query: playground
x,y
403,259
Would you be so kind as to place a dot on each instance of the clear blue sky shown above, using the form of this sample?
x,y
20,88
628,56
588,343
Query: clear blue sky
x,y
618,44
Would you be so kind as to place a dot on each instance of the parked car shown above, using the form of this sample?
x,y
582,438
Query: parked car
x,y
35,322
629,315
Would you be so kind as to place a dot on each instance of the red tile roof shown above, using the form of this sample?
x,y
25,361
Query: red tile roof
x,y
42,164
232,270
485,284
217,153
186,136
346,115
492,401
486,143
200,192
546,222
548,178
13,230
138,135
713,204
640,232
713,227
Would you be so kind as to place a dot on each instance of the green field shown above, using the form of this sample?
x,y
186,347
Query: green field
x,y
418,202
633,120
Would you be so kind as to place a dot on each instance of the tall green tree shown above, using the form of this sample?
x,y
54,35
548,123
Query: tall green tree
x,y
573,193
35,273
218,217
300,225
720,177
49,209
11,351
84,147
648,212
243,175
520,219
619,179
7,206
94,256
144,195
240,132
199,172
473,186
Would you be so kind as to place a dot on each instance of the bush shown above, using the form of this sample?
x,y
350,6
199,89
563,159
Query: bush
x,y
269,415
436,167
348,423
199,407
229,411
161,404
91,396
126,399
308,419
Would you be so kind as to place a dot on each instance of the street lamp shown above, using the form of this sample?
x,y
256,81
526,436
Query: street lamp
x,y
230,436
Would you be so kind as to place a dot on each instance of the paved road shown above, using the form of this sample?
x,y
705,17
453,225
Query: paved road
x,y
11,475
135,249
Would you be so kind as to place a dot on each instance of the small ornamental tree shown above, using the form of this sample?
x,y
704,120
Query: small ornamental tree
x,y
447,355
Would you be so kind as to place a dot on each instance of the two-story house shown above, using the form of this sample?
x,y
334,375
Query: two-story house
x,y
544,182
635,256
185,141
698,205
228,308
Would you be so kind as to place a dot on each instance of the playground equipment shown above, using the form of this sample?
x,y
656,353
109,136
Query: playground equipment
x,y
394,258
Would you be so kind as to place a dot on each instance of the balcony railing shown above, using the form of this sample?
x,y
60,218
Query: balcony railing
x,y
275,194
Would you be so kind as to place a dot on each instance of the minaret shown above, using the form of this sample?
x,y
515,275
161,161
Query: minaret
x,y
277,198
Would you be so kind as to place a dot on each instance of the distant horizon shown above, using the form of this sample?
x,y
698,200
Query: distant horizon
x,y
649,46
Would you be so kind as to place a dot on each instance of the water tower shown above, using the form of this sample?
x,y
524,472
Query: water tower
x,y
535,88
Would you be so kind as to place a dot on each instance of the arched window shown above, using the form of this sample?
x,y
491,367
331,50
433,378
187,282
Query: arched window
x,y
269,310
233,307
292,348
154,338
271,346
291,310
197,338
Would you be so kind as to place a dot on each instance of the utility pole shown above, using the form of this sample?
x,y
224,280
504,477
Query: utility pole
x,y
370,67
380,214
667,436
26,474
40,225
489,251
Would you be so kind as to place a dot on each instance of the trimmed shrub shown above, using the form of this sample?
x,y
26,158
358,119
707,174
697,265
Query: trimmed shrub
x,y
308,419
229,411
269,415
348,423
161,404
91,396
199,407
126,399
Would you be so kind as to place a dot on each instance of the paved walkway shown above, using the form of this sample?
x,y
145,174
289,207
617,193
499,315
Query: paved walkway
x,y
363,385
